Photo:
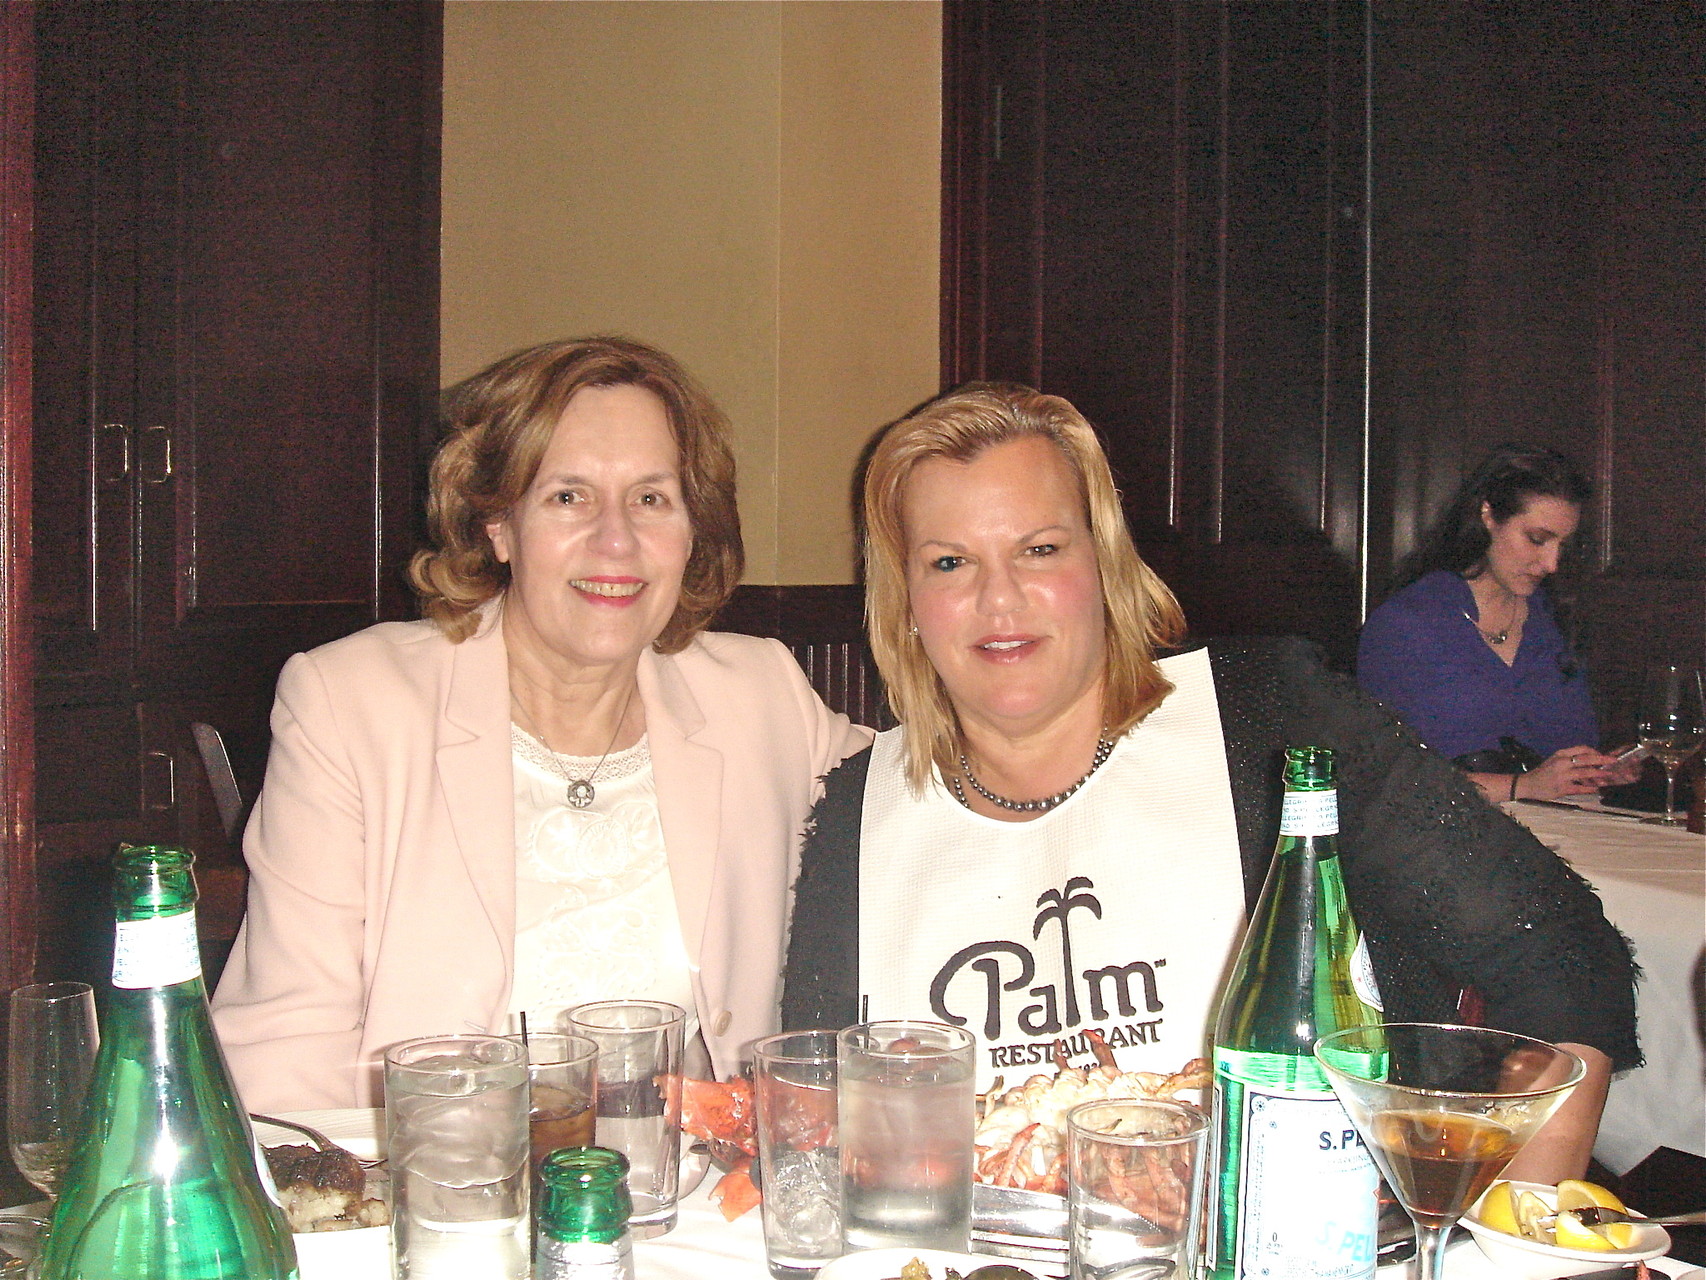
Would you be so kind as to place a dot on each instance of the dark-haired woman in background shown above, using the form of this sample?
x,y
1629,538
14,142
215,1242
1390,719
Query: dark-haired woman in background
x,y
1470,655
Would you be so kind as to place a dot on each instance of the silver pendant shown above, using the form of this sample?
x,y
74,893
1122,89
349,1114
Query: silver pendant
x,y
580,793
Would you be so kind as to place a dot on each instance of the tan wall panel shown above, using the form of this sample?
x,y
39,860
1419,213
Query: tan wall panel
x,y
752,186
861,195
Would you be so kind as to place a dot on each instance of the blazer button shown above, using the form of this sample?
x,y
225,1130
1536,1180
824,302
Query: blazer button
x,y
721,1025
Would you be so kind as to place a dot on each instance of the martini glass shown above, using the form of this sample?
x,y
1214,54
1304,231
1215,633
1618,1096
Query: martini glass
x,y
1443,1110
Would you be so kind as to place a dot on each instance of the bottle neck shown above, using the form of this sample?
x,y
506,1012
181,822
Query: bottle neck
x,y
1311,814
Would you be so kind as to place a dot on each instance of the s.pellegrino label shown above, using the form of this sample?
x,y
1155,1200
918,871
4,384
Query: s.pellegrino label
x,y
1296,1192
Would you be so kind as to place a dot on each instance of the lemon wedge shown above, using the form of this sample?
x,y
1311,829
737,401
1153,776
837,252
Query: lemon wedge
x,y
1530,1209
1621,1234
1498,1209
1571,1233
1574,1194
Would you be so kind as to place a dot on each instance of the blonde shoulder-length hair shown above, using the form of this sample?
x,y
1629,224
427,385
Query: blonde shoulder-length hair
x,y
1141,612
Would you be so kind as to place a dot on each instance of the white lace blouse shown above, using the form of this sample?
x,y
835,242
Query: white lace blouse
x,y
595,915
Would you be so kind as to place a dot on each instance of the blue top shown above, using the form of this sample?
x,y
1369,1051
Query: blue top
x,y
1424,659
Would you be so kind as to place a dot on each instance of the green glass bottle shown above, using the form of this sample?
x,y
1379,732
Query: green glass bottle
x,y
1296,1197
583,1216
163,1183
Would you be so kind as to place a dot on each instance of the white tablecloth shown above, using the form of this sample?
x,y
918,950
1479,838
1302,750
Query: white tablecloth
x,y
702,1246
1652,881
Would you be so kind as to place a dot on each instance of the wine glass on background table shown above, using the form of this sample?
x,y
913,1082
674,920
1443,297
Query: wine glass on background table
x,y
1672,725
51,1049
1443,1109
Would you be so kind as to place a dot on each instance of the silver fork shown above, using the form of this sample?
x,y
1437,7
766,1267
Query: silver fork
x,y
320,1140
1595,1216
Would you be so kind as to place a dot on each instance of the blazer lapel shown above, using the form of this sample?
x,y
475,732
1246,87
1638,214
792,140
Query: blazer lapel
x,y
474,772
689,777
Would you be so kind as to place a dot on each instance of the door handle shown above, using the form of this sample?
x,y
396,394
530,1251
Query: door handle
x,y
112,438
156,454
158,767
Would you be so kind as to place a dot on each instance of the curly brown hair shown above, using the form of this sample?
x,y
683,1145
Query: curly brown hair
x,y
499,423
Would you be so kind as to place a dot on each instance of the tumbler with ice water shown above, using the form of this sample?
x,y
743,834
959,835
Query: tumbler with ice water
x,y
457,1113
907,1097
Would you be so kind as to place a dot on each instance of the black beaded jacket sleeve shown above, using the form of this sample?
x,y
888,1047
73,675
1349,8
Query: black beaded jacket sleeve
x,y
1449,892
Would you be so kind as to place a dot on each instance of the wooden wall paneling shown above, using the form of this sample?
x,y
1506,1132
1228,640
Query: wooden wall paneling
x,y
409,89
1202,265
1107,223
17,731
1423,133
824,628
1290,481
993,159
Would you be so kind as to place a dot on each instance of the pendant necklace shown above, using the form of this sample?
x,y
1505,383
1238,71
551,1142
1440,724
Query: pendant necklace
x,y
1104,749
581,792
1496,638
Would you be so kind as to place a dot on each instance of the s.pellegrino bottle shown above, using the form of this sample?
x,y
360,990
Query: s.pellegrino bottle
x,y
583,1217
1297,1194
163,1183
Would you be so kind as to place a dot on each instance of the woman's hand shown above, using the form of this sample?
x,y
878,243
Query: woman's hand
x,y
1574,771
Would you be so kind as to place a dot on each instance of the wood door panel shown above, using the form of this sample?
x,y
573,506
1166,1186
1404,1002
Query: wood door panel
x,y
1194,190
87,764
270,503
1108,224
84,246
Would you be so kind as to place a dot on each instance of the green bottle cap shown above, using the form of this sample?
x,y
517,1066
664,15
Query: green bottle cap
x,y
584,1195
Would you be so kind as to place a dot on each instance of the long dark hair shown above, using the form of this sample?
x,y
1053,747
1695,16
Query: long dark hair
x,y
1506,481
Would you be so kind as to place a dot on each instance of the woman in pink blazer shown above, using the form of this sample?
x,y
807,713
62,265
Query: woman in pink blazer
x,y
557,787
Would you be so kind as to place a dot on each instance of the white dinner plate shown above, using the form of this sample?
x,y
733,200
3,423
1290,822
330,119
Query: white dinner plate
x,y
338,1255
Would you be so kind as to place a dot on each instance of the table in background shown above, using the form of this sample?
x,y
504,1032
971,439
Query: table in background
x,y
1652,881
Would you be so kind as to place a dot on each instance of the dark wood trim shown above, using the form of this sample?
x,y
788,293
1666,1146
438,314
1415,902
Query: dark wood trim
x,y
17,715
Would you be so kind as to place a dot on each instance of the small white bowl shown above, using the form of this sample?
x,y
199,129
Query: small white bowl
x,y
1520,1259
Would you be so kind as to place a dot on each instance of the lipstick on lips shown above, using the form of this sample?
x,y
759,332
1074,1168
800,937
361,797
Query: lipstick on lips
x,y
1005,647
612,590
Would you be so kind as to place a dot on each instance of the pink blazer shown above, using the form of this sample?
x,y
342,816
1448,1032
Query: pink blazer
x,y
382,849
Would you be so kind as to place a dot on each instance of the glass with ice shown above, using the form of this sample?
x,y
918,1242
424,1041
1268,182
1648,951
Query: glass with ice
x,y
1135,1172
456,1111
906,1099
798,1151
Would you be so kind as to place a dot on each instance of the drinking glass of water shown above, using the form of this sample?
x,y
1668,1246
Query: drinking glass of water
x,y
639,1099
906,1104
793,1077
456,1108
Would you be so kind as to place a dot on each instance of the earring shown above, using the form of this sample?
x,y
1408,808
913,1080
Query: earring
x,y
914,630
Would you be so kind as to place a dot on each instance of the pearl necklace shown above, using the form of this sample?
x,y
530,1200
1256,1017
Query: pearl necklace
x,y
1104,749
